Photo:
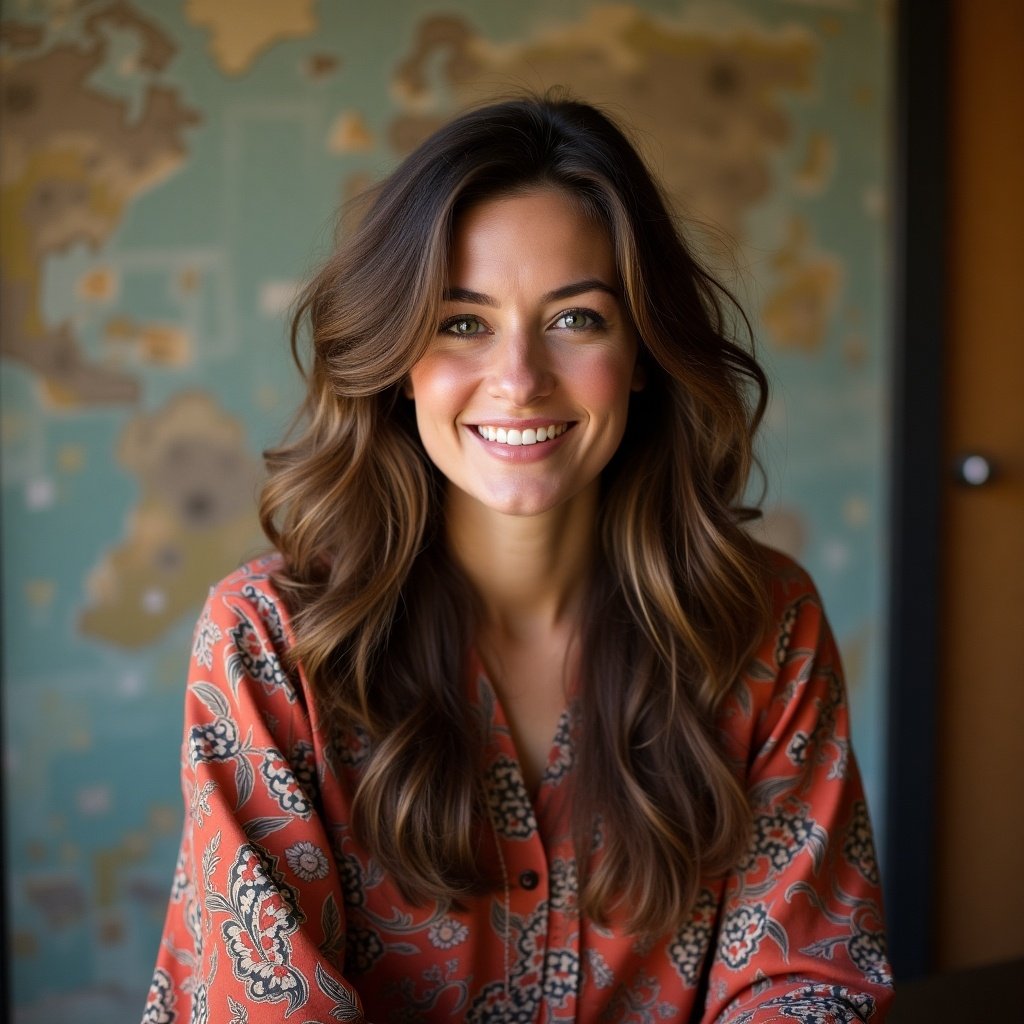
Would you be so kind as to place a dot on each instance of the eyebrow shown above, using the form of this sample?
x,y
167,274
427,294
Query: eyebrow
x,y
590,284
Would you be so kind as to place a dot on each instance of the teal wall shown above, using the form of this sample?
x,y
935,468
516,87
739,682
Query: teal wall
x,y
169,173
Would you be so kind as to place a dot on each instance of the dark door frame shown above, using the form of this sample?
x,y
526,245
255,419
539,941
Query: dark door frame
x,y
919,220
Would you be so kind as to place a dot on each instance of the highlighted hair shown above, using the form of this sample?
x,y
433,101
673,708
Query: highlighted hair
x,y
384,620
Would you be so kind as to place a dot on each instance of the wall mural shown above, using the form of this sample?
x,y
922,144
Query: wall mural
x,y
169,172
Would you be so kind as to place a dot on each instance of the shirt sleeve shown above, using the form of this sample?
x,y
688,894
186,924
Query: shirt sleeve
x,y
801,933
255,923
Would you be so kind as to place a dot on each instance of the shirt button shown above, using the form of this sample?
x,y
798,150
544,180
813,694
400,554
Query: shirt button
x,y
529,879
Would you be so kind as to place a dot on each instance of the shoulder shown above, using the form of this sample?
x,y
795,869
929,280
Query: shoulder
x,y
250,594
244,632
787,580
797,612
796,658
257,573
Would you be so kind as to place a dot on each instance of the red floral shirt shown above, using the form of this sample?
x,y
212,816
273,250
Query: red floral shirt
x,y
278,912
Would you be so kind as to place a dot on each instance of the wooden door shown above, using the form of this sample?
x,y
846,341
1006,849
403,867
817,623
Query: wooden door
x,y
980,809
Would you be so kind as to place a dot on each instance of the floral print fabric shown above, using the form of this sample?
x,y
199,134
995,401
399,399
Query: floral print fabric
x,y
277,912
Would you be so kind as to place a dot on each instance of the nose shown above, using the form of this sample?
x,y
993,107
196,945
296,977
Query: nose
x,y
521,372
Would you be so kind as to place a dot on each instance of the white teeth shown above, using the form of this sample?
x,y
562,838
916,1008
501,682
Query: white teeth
x,y
516,438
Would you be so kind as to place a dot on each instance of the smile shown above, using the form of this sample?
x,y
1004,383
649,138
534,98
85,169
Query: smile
x,y
514,437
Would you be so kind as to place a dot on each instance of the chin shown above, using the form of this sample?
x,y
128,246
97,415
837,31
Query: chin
x,y
521,508
525,502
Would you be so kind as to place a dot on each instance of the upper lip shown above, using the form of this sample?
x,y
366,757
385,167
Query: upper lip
x,y
536,421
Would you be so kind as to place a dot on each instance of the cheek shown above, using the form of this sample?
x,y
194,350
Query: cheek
x,y
438,385
604,383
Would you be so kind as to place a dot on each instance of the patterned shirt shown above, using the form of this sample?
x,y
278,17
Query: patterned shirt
x,y
278,912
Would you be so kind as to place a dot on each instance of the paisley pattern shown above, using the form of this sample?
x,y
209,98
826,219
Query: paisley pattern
x,y
690,945
213,741
262,913
160,1001
509,803
206,635
818,1004
277,911
859,848
284,778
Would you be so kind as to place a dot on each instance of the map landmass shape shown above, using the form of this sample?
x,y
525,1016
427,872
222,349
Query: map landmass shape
x,y
799,309
194,521
241,30
73,160
710,97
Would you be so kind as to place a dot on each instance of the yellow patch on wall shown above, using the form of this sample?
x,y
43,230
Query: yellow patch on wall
x,y
98,285
350,134
241,30
819,163
855,350
856,511
189,280
71,458
798,311
155,344
40,593
165,345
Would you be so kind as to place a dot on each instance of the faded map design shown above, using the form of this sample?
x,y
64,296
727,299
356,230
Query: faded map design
x,y
169,172
72,161
197,480
241,30
712,98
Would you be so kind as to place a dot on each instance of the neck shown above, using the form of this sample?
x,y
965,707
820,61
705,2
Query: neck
x,y
530,572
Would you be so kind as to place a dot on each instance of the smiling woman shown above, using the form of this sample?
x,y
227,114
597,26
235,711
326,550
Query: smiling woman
x,y
517,723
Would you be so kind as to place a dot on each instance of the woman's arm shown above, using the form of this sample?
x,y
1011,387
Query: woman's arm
x,y
255,926
801,934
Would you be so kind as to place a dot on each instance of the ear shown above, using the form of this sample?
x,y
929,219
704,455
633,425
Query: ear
x,y
407,388
639,376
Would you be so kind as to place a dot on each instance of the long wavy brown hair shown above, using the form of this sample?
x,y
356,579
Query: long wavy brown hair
x,y
384,620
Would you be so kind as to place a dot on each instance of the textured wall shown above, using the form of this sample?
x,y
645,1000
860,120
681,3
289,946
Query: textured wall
x,y
169,172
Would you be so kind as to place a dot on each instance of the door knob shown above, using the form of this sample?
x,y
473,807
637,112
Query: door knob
x,y
973,469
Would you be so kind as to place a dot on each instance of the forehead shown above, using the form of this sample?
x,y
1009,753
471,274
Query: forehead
x,y
544,232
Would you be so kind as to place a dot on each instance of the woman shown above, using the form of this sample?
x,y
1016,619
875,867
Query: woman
x,y
518,724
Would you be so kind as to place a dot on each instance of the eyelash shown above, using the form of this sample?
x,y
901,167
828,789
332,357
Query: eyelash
x,y
597,322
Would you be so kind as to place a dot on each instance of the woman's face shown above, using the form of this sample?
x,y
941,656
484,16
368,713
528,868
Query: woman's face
x,y
522,396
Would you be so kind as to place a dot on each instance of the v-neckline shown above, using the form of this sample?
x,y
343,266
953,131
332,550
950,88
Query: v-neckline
x,y
501,738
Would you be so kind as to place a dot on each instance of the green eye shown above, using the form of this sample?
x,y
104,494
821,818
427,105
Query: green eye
x,y
464,326
579,320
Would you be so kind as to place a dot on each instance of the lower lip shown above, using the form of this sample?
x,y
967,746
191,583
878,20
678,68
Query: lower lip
x,y
521,452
